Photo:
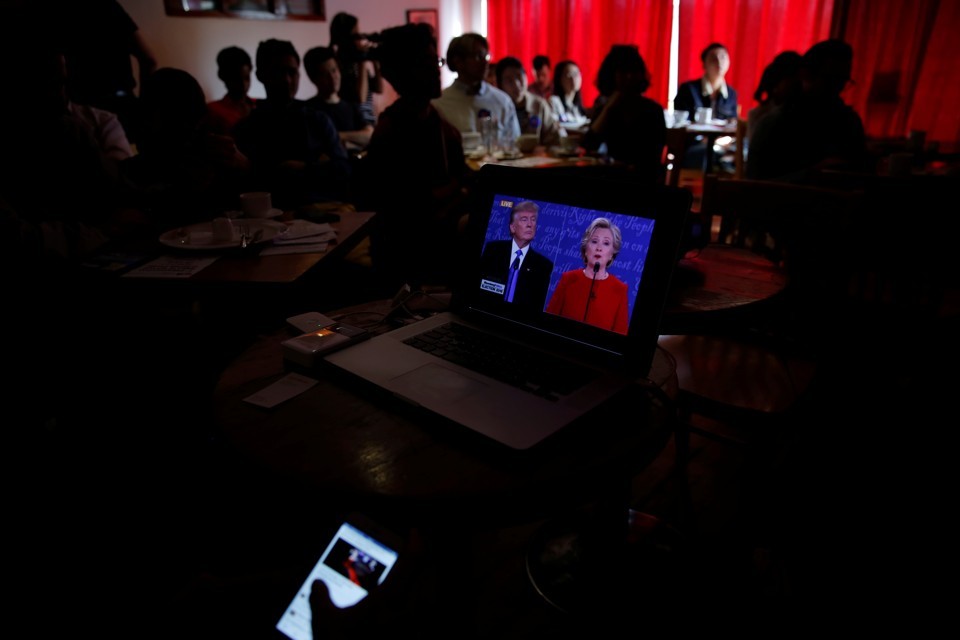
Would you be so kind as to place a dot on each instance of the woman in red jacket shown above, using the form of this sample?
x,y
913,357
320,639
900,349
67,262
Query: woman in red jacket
x,y
593,294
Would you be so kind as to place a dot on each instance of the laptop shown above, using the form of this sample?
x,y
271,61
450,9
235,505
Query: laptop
x,y
589,356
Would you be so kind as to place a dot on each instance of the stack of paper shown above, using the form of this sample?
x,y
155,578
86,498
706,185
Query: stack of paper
x,y
302,236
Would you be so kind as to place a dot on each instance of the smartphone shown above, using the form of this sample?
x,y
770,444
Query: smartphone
x,y
358,557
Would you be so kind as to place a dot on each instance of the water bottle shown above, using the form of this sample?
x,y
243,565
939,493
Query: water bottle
x,y
488,131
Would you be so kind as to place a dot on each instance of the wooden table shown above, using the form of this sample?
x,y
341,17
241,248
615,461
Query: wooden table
x,y
681,137
540,159
340,445
716,282
239,267
364,452
334,437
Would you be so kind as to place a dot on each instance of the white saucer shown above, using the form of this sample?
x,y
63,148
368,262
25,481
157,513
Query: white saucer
x,y
200,236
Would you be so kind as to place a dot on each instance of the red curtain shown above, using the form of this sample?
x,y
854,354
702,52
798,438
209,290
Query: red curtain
x,y
906,66
583,31
754,32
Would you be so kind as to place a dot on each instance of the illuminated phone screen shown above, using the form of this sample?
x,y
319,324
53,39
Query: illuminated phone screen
x,y
352,564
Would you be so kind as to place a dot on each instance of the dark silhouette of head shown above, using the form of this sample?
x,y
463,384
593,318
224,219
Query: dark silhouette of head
x,y
623,68
826,67
278,68
780,78
409,61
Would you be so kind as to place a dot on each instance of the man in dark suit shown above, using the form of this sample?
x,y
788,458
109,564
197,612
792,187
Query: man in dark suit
x,y
512,269
711,91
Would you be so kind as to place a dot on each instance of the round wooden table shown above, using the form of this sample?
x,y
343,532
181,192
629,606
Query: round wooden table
x,y
367,453
719,283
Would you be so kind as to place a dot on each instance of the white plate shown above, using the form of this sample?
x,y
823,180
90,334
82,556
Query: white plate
x,y
200,236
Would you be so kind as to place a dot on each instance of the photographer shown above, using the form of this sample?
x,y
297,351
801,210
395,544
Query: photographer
x,y
360,75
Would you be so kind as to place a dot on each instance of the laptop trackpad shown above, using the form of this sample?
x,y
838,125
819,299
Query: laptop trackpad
x,y
433,383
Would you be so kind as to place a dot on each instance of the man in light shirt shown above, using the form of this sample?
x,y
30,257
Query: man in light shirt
x,y
468,56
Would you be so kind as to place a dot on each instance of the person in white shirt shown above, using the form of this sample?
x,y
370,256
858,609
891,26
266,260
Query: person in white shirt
x,y
533,112
468,56
566,100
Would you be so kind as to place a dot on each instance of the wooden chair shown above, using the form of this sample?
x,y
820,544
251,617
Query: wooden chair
x,y
674,154
740,151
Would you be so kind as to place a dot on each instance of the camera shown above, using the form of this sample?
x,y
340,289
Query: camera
x,y
373,39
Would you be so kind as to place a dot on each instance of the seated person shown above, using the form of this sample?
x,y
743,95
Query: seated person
x,y
322,68
566,100
107,131
78,206
543,77
711,91
533,112
630,124
468,56
831,132
414,175
234,67
779,84
295,151
183,173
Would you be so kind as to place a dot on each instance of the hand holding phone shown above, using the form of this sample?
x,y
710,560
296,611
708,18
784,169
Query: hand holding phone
x,y
358,557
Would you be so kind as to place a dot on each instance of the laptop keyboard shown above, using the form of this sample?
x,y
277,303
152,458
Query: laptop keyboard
x,y
508,362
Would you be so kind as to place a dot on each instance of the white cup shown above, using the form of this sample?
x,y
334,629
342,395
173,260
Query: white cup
x,y
703,115
471,140
256,204
222,230
680,117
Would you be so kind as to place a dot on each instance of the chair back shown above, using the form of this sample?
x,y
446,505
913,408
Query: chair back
x,y
740,149
676,149
811,232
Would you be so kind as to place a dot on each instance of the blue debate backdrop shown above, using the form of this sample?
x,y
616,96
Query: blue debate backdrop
x,y
559,231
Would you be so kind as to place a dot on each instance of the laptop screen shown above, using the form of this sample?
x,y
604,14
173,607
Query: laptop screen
x,y
594,263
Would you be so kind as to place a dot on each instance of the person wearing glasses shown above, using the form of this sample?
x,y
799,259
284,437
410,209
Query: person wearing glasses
x,y
414,174
471,95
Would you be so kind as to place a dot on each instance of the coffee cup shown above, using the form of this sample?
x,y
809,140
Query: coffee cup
x,y
527,142
703,115
222,230
680,117
256,204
